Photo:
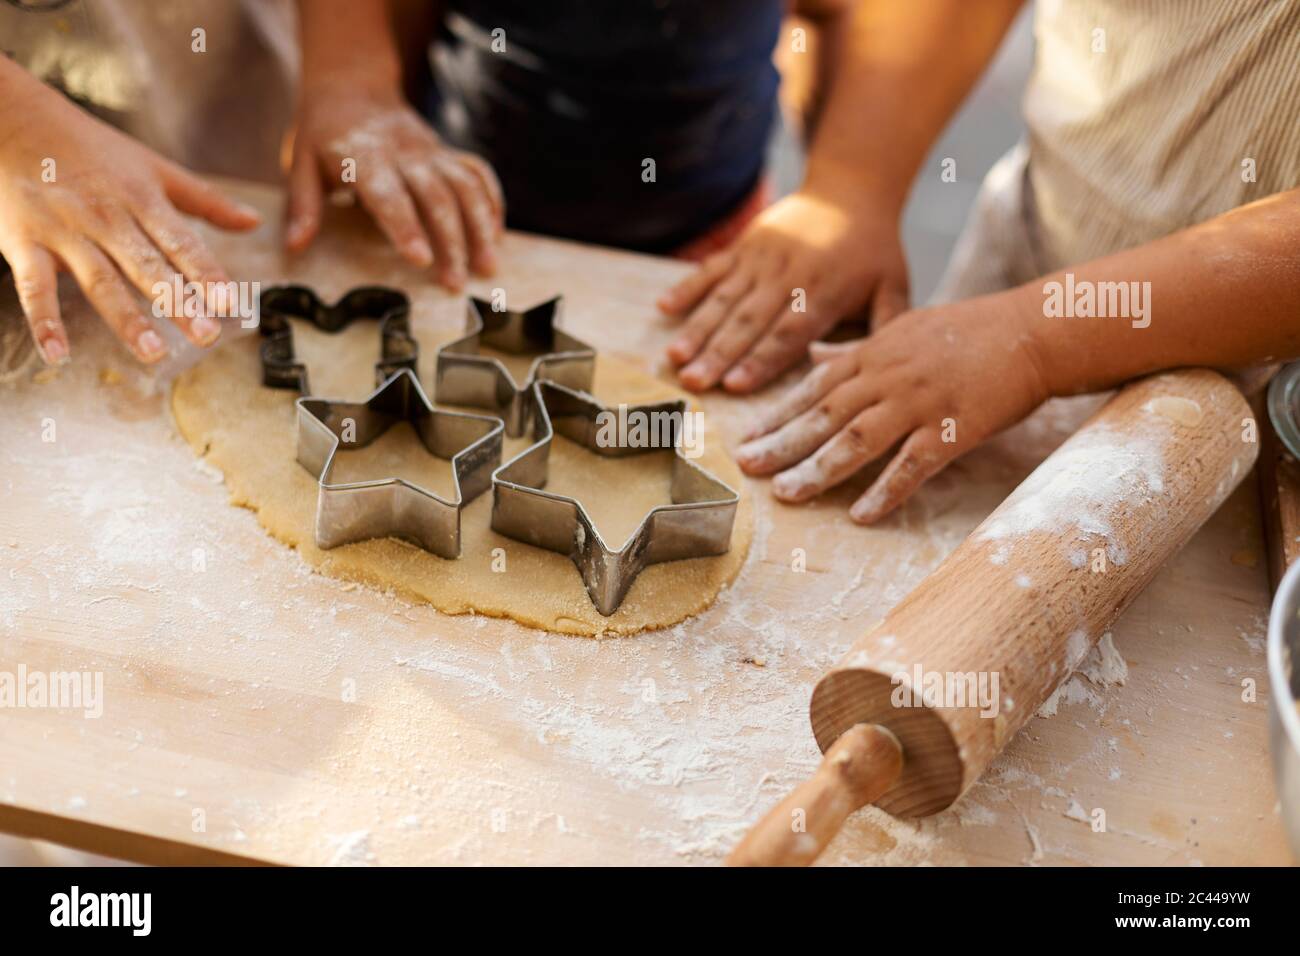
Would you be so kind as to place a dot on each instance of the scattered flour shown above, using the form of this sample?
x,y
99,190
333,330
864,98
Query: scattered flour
x,y
1035,843
1074,811
1073,691
1105,666
1256,637
1184,411
1102,666
209,470
351,849
1080,488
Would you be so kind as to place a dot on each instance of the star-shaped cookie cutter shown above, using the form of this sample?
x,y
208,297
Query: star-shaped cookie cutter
x,y
698,523
464,377
359,510
277,305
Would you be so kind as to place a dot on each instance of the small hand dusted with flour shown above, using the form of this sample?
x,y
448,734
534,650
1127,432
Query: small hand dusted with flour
x,y
416,188
76,195
899,385
741,328
356,131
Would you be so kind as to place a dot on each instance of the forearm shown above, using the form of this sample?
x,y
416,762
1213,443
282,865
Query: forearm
x,y
415,23
1224,294
20,94
894,74
348,41
813,27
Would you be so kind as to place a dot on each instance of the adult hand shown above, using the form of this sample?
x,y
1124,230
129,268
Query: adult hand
x,y
802,265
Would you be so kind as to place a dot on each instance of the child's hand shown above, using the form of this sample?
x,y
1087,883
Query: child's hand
x,y
938,380
745,326
77,195
369,140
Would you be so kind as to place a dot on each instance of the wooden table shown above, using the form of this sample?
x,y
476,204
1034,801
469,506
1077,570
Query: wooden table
x,y
225,734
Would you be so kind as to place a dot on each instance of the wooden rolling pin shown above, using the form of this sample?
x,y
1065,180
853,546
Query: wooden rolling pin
x,y
1014,610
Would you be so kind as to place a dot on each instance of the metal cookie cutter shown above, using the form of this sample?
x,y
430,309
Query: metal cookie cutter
x,y
698,523
279,304
464,377
1284,406
357,510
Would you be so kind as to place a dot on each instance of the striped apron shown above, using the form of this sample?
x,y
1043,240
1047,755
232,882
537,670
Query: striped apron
x,y
1143,117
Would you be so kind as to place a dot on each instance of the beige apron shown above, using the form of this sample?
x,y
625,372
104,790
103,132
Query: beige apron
x,y
1143,117
136,63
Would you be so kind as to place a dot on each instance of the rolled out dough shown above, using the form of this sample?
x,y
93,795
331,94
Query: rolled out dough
x,y
249,433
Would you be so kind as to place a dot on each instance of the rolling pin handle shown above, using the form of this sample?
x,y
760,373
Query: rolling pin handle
x,y
861,765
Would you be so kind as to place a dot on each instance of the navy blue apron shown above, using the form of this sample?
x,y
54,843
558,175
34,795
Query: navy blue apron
x,y
569,98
